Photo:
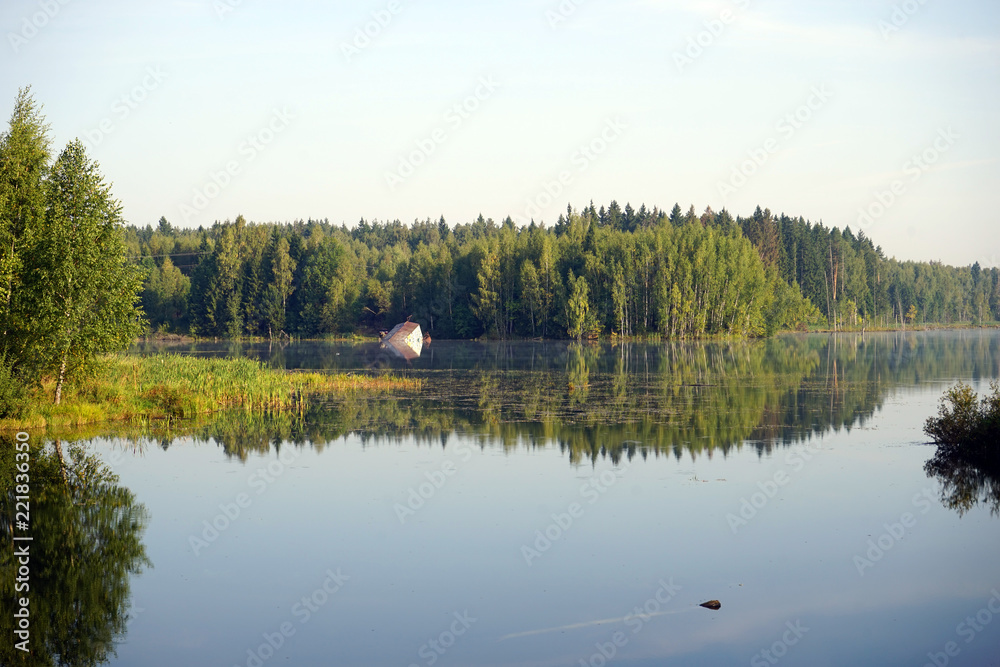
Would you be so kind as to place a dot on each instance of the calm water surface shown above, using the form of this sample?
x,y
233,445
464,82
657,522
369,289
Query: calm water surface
x,y
558,504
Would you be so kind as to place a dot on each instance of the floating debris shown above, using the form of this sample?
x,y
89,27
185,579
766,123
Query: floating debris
x,y
711,604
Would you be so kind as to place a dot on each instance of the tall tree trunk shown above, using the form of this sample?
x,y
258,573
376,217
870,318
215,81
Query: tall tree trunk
x,y
826,280
62,377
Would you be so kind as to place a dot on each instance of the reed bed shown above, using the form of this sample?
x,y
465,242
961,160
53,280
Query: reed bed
x,y
139,389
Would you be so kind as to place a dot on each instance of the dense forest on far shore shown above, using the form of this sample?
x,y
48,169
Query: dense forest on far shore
x,y
595,272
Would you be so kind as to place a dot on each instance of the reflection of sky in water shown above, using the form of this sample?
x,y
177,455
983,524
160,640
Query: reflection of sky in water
x,y
662,519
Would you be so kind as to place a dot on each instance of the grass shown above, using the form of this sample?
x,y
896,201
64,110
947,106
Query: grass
x,y
124,388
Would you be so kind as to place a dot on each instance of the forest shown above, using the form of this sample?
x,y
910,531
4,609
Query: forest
x,y
607,271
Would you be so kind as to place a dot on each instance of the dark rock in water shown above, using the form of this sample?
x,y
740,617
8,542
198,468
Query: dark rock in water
x,y
711,604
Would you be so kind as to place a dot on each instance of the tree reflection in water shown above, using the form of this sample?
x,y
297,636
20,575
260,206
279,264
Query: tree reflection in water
x,y
966,480
616,400
87,543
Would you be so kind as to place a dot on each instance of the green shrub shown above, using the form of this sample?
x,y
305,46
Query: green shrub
x,y
964,420
13,393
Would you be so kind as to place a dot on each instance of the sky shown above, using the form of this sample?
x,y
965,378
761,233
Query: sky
x,y
873,114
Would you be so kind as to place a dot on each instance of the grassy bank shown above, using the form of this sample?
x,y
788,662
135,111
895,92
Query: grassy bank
x,y
140,389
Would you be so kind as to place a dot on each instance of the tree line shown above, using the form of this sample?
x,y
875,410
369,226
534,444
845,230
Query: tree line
x,y
599,271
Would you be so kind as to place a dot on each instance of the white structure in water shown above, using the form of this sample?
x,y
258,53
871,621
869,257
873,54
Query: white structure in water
x,y
405,339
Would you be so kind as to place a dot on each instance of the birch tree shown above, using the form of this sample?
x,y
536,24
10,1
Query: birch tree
x,y
81,292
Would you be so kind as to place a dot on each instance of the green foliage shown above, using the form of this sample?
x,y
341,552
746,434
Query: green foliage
x,y
965,421
79,289
137,389
24,163
68,291
486,303
578,317
647,273
165,297
13,392
789,309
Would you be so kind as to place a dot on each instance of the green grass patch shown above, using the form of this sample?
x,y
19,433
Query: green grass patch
x,y
165,387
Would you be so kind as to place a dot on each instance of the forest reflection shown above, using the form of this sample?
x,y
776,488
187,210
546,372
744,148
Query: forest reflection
x,y
87,543
613,400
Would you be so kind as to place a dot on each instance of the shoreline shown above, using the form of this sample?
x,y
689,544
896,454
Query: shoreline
x,y
604,338
132,389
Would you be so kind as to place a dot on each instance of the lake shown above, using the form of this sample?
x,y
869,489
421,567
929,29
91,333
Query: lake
x,y
564,504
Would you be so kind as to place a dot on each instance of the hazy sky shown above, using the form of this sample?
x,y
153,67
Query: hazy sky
x,y
199,110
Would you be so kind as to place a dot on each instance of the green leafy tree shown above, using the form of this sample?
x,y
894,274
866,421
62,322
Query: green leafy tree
x,y
80,292
486,303
282,274
165,297
578,313
24,162
531,293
